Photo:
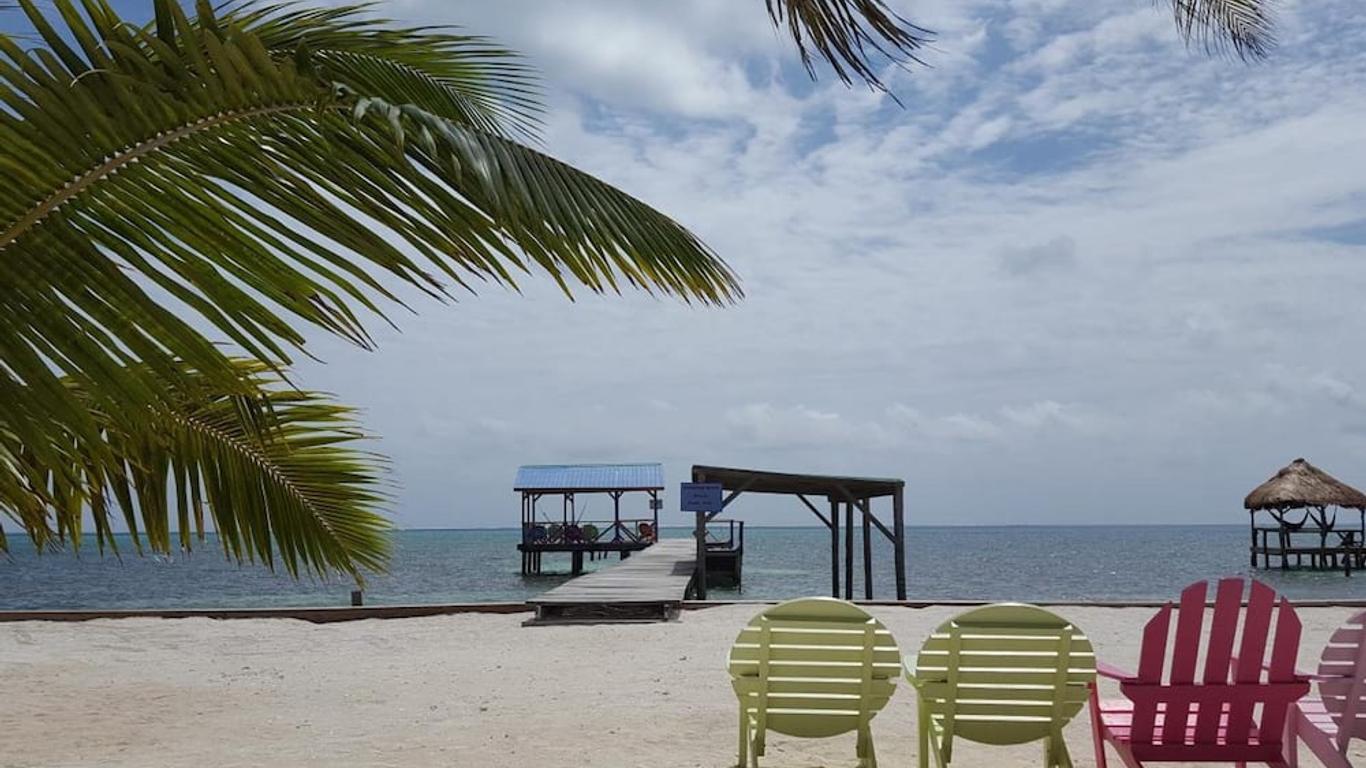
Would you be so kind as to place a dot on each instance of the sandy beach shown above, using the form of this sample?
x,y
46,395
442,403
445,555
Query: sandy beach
x,y
473,689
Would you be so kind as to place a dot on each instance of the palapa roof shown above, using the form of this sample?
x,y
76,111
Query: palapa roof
x,y
1302,484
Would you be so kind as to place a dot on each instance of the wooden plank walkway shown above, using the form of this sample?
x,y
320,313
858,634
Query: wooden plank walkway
x,y
647,586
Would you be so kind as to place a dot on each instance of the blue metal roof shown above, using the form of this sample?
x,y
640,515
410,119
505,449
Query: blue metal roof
x,y
590,477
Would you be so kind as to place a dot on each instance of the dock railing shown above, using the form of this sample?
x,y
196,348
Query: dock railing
x,y
590,532
1327,549
726,534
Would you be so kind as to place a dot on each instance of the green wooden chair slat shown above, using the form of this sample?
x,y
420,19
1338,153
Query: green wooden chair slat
x,y
1002,674
1005,691
812,668
1027,660
816,668
1013,677
821,653
834,686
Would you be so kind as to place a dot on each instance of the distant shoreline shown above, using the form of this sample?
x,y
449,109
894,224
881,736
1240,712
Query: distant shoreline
x,y
332,614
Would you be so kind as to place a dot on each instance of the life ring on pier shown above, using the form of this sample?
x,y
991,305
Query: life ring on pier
x,y
647,531
590,532
538,533
556,533
573,534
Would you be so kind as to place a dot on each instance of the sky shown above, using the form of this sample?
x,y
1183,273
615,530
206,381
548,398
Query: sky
x,y
1085,275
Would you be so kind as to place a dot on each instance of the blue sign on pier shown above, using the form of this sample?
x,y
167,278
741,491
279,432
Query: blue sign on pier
x,y
699,497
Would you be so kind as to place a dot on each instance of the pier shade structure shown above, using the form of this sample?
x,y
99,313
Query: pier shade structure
x,y
826,497
1305,518
569,528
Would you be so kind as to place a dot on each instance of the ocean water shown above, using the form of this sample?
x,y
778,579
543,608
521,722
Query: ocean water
x,y
439,566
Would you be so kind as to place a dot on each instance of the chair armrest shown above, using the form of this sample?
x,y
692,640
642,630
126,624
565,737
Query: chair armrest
x,y
1113,672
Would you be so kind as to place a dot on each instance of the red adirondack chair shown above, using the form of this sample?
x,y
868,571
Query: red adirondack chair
x,y
1235,711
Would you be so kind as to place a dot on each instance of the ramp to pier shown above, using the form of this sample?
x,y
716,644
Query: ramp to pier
x,y
647,586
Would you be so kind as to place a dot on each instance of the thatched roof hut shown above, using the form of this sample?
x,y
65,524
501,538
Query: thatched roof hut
x,y
1302,485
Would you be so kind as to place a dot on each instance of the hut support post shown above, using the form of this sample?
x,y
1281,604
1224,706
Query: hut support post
x,y
834,548
867,551
899,546
848,550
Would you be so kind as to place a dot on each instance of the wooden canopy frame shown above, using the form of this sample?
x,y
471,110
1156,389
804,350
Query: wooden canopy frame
x,y
848,493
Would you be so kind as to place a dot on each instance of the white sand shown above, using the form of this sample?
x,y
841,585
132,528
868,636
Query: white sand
x,y
474,689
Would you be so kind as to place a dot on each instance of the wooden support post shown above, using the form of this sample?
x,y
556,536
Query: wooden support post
x,y
357,597
899,546
616,516
700,568
867,551
577,563
834,548
1253,517
848,550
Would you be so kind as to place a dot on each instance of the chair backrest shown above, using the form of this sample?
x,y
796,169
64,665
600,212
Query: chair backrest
x,y
1342,684
1243,694
1005,674
814,667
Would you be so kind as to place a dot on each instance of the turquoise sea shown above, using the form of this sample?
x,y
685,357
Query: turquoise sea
x,y
439,566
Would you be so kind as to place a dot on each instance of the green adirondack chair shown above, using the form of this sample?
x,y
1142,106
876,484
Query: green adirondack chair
x,y
1001,674
812,668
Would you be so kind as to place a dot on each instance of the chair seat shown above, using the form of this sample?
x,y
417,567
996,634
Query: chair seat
x,y
1117,716
1316,714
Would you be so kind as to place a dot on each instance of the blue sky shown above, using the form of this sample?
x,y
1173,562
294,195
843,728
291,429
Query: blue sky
x,y
1085,275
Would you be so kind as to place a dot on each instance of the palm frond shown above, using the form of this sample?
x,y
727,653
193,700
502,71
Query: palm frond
x,y
1244,27
465,78
849,35
189,175
277,470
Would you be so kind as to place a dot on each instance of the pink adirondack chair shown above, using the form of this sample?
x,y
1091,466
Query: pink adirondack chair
x,y
1328,724
1235,711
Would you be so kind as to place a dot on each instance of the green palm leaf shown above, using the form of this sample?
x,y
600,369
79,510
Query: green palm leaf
x,y
1244,27
852,36
276,470
464,78
848,34
202,173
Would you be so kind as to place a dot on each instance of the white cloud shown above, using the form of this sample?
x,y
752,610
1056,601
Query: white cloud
x,y
765,425
1079,244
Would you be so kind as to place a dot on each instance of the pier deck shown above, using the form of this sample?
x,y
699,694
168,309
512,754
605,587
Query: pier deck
x,y
648,586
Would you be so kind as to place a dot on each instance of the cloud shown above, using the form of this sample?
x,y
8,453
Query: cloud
x,y
957,426
1057,254
1079,244
764,425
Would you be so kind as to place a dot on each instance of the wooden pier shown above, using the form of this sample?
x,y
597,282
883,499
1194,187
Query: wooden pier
x,y
649,586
